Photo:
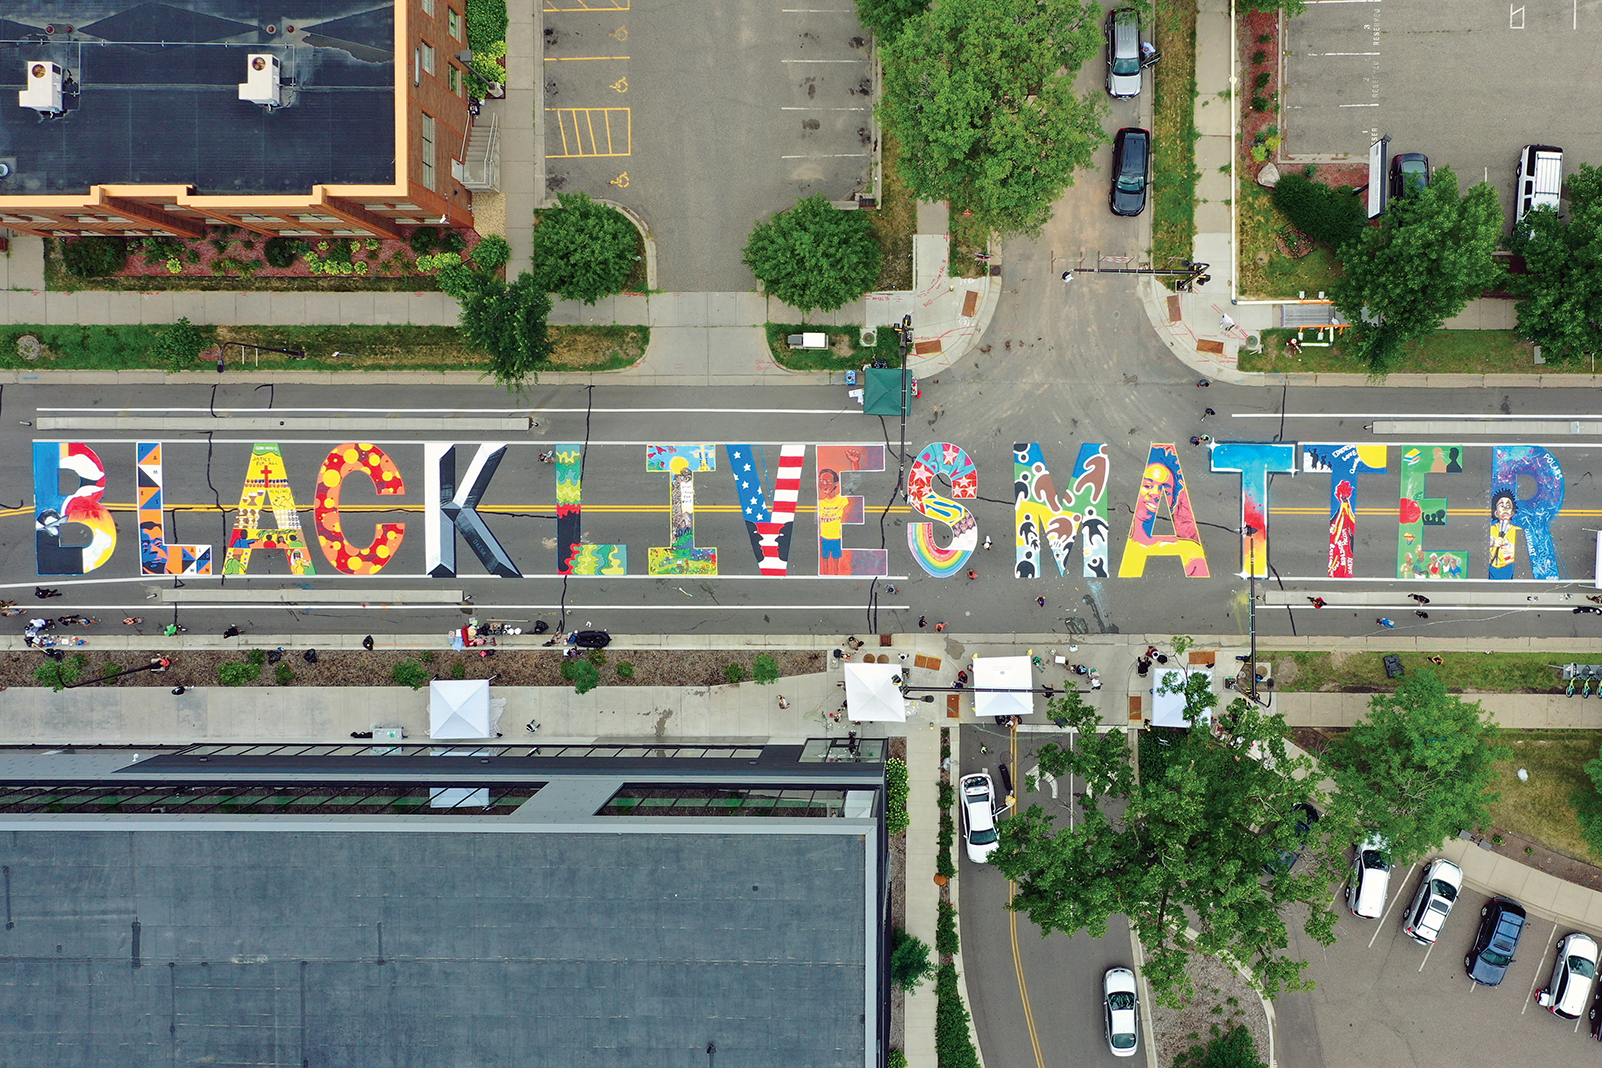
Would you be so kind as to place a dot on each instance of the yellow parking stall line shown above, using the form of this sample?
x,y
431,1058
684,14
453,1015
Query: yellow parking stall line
x,y
586,140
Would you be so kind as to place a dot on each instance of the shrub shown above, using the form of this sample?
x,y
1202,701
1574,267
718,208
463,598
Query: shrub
x,y
584,250
424,239
509,323
1225,1049
486,23
282,251
896,818
178,345
340,253
596,657
486,62
947,837
1332,216
458,670
456,280
410,673
734,673
1259,103
452,241
582,674
625,670
1260,81
897,1059
157,249
765,669
953,1043
492,252
946,941
56,674
285,674
94,257
909,960
815,255
238,673
1259,56
427,656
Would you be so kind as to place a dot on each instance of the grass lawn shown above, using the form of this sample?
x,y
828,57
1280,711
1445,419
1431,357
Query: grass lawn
x,y
895,220
844,353
1541,808
1265,271
968,236
1443,352
1174,136
361,348
1363,672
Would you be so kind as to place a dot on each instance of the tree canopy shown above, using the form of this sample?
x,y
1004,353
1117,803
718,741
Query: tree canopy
x,y
886,17
584,250
1430,255
508,322
1416,769
1183,847
980,96
815,255
1561,291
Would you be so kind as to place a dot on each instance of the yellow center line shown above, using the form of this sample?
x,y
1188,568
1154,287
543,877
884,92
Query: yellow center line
x,y
1017,957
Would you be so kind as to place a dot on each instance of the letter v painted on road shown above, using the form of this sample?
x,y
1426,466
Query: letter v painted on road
x,y
452,510
770,528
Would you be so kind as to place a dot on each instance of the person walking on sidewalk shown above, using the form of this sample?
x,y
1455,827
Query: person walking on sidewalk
x,y
1420,598
1225,323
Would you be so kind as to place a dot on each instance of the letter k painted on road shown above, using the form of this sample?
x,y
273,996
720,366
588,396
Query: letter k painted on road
x,y
453,510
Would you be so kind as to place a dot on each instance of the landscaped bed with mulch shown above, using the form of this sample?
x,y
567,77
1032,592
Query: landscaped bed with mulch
x,y
511,666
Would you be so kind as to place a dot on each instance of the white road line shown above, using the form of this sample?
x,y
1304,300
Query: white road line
x,y
1467,417
1529,995
160,580
1343,53
823,61
481,411
235,606
1357,105
825,109
1386,915
1426,959
832,155
173,442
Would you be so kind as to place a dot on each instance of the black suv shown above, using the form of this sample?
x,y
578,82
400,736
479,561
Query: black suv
x,y
1501,923
1131,163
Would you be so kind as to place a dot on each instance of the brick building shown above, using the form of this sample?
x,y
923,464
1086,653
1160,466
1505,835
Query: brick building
x,y
311,118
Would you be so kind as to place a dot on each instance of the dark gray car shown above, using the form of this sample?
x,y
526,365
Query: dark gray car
x,y
1501,923
1131,164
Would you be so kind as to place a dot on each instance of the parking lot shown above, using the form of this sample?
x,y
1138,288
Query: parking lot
x,y
1381,998
1468,84
705,118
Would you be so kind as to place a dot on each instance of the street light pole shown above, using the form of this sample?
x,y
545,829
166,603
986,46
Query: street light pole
x,y
1251,615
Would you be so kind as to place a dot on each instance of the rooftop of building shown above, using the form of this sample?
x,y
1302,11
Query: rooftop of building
x,y
153,95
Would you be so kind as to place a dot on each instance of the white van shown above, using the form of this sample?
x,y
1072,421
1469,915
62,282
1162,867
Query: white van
x,y
1538,180
1370,881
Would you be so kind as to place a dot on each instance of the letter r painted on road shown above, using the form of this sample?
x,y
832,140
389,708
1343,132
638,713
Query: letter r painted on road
x,y
452,510
1254,461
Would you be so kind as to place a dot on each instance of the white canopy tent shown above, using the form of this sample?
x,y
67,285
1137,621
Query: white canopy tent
x,y
459,708
873,691
1003,673
1168,709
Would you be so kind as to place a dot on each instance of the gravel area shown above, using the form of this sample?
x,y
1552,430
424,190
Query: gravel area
x,y
1223,997
515,667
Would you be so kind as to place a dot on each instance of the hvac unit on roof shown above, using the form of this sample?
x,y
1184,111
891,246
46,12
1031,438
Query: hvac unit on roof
x,y
261,80
43,93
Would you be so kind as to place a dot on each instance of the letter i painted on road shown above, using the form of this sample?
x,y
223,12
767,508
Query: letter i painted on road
x,y
1343,463
1416,511
156,557
1162,489
838,509
453,509
573,557
1041,517
1254,461
267,487
1533,515
56,509
949,462
770,528
680,463
369,460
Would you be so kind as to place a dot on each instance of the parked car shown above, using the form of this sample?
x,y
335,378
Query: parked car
x,y
1121,1007
1131,164
1437,892
1501,923
1409,170
1306,815
1369,886
1573,974
1123,53
979,817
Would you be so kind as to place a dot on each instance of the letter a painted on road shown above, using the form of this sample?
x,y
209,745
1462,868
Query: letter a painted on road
x,y
1162,489
451,510
267,487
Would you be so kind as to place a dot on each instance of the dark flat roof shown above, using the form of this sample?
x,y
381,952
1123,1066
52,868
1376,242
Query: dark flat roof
x,y
158,101
396,947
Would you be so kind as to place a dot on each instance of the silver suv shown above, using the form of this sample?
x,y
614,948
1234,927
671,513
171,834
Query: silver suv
x,y
1573,974
1437,892
1123,53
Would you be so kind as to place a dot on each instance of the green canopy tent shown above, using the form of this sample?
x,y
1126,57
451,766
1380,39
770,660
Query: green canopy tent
x,y
883,392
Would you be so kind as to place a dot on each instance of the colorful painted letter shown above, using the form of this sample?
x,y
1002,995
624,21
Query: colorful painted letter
x,y
373,462
451,510
1255,461
942,460
156,557
1416,511
1534,514
837,509
681,462
770,529
267,487
1041,515
56,509
573,557
1162,488
1343,463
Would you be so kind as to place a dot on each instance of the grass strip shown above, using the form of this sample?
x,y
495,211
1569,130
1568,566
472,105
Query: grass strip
x,y
1460,672
845,352
1174,136
895,220
1490,352
1265,271
1540,807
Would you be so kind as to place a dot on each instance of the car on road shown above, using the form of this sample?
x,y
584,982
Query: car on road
x,y
1306,815
1408,170
1121,1007
1437,893
1123,53
1501,923
1370,884
1131,165
1573,975
979,817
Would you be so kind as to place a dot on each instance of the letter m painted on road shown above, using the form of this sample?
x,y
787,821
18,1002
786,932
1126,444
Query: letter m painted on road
x,y
1045,522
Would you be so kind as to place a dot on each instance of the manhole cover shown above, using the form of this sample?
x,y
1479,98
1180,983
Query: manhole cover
x,y
29,348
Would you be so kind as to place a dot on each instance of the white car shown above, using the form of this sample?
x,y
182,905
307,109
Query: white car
x,y
1573,974
1369,886
1437,892
979,817
1121,1006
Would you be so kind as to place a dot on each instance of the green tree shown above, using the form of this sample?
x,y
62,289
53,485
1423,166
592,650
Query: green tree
x,y
1225,1049
886,17
1184,846
508,322
909,960
1430,255
584,250
765,669
178,345
1334,216
815,255
410,673
1561,292
980,96
1417,768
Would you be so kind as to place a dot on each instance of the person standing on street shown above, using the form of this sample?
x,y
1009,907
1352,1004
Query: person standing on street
x,y
1388,624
